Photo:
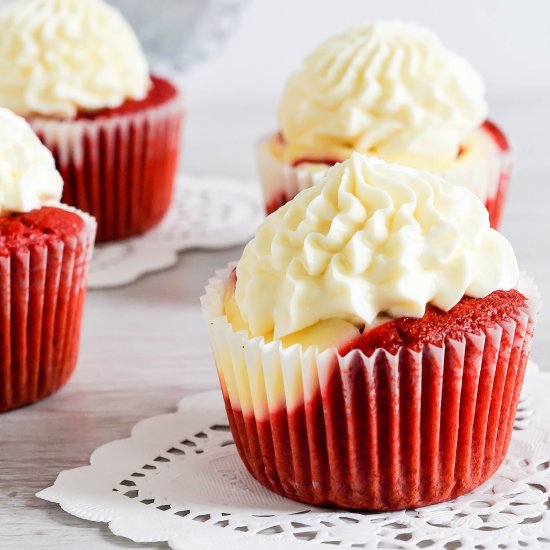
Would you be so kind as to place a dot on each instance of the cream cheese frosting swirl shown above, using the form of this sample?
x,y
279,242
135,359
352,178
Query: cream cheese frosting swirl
x,y
28,177
371,239
58,57
389,89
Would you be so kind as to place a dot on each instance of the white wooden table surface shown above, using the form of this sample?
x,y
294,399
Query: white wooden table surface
x,y
144,346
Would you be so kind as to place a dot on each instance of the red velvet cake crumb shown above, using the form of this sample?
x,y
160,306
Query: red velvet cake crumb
x,y
161,92
312,160
470,315
37,227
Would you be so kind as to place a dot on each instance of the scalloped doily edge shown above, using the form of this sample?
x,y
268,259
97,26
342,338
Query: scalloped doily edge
x,y
161,527
163,257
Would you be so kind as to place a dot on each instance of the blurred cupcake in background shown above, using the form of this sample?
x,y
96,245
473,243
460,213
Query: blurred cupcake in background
x,y
75,70
371,342
388,89
45,249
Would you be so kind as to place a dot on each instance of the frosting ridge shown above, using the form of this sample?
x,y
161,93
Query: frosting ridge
x,y
28,177
389,89
371,239
58,57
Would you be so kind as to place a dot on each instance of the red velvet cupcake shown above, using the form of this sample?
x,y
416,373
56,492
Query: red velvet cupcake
x,y
114,130
372,342
391,90
45,250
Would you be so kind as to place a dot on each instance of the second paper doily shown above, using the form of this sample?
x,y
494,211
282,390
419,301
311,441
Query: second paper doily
x,y
207,212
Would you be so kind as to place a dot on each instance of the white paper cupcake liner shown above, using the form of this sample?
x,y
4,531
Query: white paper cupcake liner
x,y
385,432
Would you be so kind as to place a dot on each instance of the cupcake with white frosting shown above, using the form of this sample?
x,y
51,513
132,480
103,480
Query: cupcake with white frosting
x,y
392,90
372,340
45,249
75,70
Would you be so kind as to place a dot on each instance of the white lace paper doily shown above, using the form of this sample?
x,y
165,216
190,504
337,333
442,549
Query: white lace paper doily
x,y
207,213
178,479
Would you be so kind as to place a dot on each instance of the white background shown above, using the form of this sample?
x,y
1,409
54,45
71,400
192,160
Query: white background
x,y
508,41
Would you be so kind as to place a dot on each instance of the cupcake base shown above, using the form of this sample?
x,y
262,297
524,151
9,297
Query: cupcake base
x,y
385,432
43,271
368,454
120,165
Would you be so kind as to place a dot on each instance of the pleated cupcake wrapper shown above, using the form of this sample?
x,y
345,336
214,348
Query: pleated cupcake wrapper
x,y
385,432
42,291
487,177
281,182
120,169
